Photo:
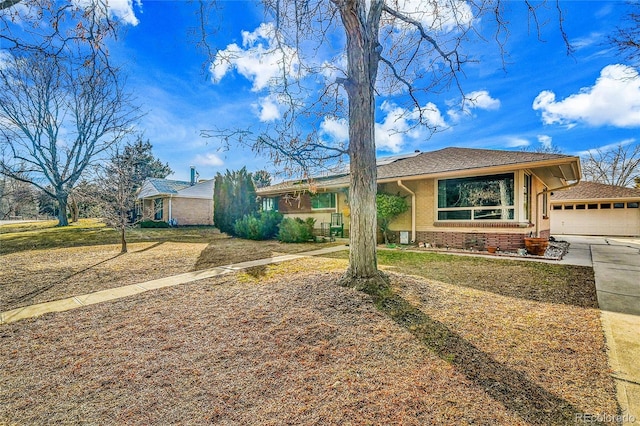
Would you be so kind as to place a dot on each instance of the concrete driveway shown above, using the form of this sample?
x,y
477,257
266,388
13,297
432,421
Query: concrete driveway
x,y
616,265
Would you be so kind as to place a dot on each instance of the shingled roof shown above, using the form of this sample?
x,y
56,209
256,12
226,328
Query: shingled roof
x,y
592,190
431,163
153,187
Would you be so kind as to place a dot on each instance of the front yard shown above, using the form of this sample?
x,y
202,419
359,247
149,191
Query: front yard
x,y
457,340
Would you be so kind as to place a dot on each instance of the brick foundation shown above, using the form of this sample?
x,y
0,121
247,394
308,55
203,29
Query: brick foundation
x,y
467,240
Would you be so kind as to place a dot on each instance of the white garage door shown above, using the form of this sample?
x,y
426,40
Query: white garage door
x,y
614,218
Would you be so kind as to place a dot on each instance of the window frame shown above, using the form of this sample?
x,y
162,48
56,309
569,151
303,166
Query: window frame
x,y
271,203
158,208
472,212
332,203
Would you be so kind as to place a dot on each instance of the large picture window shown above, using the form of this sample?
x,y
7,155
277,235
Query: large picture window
x,y
326,200
477,198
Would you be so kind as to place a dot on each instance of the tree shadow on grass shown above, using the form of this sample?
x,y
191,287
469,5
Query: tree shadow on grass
x,y
40,290
513,389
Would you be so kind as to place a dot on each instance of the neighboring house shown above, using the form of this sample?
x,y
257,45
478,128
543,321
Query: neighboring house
x,y
177,202
591,208
459,197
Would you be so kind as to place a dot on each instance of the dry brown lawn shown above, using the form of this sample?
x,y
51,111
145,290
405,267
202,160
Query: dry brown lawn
x,y
34,276
284,345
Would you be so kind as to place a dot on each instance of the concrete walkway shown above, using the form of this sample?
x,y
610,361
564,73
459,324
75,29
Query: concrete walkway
x,y
616,265
129,290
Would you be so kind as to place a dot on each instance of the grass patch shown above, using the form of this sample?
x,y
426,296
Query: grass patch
x,y
48,262
536,281
284,344
87,232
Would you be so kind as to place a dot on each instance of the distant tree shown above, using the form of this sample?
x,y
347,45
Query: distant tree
x,y
117,194
17,198
389,207
545,148
234,196
57,117
47,205
618,166
261,178
139,155
626,37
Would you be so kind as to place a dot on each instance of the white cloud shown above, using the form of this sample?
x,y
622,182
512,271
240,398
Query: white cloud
x,y
208,159
516,142
606,148
337,129
479,99
545,141
121,9
268,108
613,100
398,125
260,59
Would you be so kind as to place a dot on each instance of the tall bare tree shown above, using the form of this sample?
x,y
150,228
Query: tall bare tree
x,y
392,46
54,27
618,166
56,117
626,37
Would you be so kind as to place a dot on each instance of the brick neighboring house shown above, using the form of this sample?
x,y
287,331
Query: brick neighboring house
x,y
459,197
591,208
177,202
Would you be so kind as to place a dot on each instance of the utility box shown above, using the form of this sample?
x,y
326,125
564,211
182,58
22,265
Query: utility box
x,y
404,237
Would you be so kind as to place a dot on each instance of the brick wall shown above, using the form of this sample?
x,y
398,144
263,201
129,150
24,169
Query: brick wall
x,y
190,211
466,240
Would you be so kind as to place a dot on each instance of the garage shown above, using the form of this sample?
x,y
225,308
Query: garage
x,y
591,208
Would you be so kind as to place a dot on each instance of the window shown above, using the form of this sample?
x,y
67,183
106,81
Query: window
x,y
477,198
580,206
633,205
618,205
605,205
568,206
592,206
270,204
326,200
557,207
157,209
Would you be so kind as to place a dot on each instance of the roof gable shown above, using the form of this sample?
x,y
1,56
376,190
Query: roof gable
x,y
153,187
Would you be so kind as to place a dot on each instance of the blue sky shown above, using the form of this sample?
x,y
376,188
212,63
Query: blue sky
x,y
588,100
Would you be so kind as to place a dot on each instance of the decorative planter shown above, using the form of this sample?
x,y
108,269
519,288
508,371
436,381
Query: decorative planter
x,y
536,246
492,249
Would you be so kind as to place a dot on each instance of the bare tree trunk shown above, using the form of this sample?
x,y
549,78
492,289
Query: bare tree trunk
x,y
123,240
62,209
362,41
73,208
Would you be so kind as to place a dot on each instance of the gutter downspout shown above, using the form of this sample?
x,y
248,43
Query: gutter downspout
x,y
547,190
170,215
413,210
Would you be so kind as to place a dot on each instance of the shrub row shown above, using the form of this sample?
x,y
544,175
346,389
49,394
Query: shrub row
x,y
268,225
153,224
